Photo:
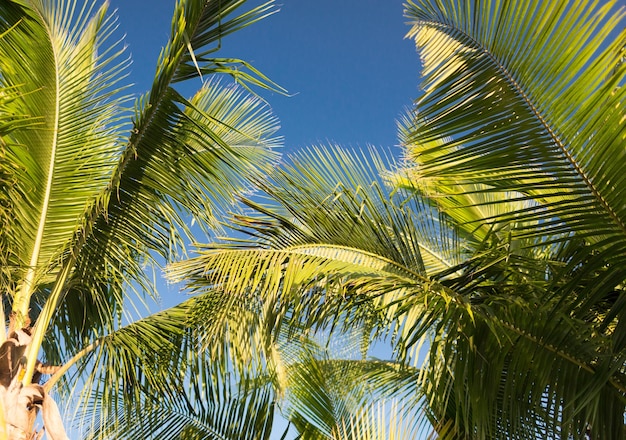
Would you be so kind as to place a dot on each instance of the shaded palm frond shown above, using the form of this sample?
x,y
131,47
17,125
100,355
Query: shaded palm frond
x,y
226,411
508,360
179,370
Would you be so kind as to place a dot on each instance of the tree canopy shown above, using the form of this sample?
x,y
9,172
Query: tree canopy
x,y
489,256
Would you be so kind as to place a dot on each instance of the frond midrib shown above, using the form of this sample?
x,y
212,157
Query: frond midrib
x,y
301,249
22,298
516,86
96,210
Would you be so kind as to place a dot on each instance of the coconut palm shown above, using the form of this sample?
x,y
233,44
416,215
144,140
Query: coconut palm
x,y
94,192
533,117
499,242
332,250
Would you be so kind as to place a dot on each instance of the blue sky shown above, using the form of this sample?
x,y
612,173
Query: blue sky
x,y
346,63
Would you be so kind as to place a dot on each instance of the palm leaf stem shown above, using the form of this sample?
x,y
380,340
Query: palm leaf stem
x,y
44,319
322,249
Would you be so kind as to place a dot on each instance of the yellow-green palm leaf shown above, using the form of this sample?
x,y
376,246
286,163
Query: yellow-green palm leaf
x,y
94,194
513,101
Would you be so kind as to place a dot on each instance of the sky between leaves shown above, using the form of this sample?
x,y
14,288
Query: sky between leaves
x,y
345,63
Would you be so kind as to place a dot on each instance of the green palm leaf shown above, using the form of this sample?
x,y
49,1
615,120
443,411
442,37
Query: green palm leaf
x,y
196,174
64,78
329,396
530,112
517,137
378,421
182,156
179,372
91,210
318,258
479,210
329,234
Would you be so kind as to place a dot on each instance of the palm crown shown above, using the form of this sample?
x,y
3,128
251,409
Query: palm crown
x,y
498,241
495,245
92,191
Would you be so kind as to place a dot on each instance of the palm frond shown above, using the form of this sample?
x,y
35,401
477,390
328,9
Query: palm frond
x,y
329,396
526,111
518,136
318,258
339,198
68,89
507,340
383,420
327,240
174,372
226,411
194,174
478,210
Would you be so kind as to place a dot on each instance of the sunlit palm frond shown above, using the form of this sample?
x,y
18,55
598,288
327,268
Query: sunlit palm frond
x,y
223,138
518,134
338,235
230,139
329,397
68,88
292,285
381,421
318,257
180,150
512,102
339,198
10,170
478,210
91,214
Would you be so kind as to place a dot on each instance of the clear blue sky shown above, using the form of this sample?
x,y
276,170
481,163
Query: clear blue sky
x,y
346,62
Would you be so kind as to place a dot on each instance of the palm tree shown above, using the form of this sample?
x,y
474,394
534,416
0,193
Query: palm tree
x,y
333,251
498,243
541,126
93,192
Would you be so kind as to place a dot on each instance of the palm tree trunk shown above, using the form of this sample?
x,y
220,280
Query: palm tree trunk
x,y
21,403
